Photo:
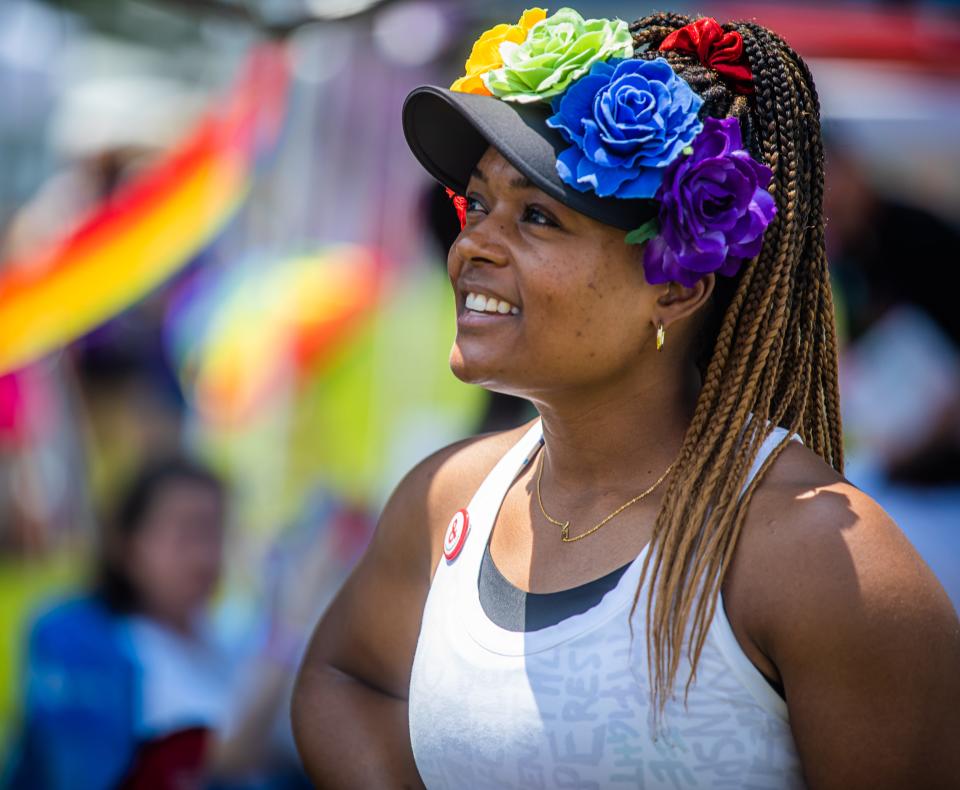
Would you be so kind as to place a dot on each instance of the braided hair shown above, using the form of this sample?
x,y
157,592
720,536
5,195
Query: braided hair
x,y
769,349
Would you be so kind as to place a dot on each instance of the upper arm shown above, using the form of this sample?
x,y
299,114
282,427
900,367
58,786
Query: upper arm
x,y
369,630
867,645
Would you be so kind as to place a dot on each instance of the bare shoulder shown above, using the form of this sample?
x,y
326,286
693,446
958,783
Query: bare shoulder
x,y
864,639
810,525
447,479
822,571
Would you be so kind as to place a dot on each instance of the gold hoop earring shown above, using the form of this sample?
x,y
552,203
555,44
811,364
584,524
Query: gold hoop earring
x,y
661,336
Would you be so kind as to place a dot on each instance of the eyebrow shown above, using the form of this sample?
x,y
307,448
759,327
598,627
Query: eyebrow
x,y
517,182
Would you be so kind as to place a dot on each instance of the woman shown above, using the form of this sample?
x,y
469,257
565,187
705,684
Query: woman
x,y
665,580
126,686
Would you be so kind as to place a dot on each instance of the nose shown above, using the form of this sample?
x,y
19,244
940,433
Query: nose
x,y
479,243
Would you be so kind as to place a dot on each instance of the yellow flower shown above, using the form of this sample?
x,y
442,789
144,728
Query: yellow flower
x,y
485,55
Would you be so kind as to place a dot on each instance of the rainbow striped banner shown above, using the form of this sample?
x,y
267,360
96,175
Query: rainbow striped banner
x,y
149,228
242,337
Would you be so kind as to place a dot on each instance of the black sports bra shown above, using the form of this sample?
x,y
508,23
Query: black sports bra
x,y
517,610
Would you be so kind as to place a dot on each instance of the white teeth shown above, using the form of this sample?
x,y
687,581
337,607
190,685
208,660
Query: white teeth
x,y
488,304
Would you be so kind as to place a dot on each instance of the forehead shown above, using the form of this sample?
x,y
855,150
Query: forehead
x,y
496,172
185,496
494,167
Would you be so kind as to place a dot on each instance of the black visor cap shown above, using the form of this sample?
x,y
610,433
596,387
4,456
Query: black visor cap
x,y
449,132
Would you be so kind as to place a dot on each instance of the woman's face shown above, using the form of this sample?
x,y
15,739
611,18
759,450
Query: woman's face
x,y
175,557
582,312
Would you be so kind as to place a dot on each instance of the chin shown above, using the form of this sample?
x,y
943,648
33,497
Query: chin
x,y
473,370
461,368
487,375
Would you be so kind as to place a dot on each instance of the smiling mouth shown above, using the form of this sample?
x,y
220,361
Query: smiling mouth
x,y
481,304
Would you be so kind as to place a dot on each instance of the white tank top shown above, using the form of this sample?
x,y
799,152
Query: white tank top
x,y
567,706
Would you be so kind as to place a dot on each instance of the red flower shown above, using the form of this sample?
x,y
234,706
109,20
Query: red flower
x,y
460,204
723,52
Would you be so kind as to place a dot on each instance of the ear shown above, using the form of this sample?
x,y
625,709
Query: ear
x,y
678,302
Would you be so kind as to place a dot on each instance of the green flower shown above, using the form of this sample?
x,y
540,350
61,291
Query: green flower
x,y
558,50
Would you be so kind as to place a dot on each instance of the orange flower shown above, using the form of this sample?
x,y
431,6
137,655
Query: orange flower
x,y
485,55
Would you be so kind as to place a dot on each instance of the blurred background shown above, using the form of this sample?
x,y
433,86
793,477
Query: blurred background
x,y
224,328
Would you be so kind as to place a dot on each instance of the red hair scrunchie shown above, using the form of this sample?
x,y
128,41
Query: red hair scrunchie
x,y
460,205
721,51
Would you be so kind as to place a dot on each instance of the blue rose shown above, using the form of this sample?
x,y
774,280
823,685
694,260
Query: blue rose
x,y
626,121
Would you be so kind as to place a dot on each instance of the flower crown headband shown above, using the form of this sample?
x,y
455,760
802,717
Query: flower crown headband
x,y
634,132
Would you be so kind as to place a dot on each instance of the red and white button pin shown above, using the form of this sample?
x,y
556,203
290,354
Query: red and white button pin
x,y
456,534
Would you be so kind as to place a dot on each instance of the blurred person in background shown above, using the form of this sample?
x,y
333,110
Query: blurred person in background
x,y
127,686
900,357
116,376
886,257
116,380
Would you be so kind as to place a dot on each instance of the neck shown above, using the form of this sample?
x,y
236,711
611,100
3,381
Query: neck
x,y
618,437
180,623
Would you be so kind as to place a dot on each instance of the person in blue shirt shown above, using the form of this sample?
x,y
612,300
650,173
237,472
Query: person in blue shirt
x,y
84,703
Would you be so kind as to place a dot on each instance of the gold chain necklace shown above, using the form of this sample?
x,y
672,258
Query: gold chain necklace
x,y
565,525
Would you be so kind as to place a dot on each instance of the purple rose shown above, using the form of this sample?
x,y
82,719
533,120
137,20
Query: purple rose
x,y
714,208
626,120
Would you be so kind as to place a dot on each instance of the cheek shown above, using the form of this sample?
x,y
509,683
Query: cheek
x,y
455,260
154,567
593,324
574,305
208,559
616,293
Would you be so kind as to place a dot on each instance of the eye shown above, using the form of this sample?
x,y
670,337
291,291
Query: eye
x,y
538,216
474,204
